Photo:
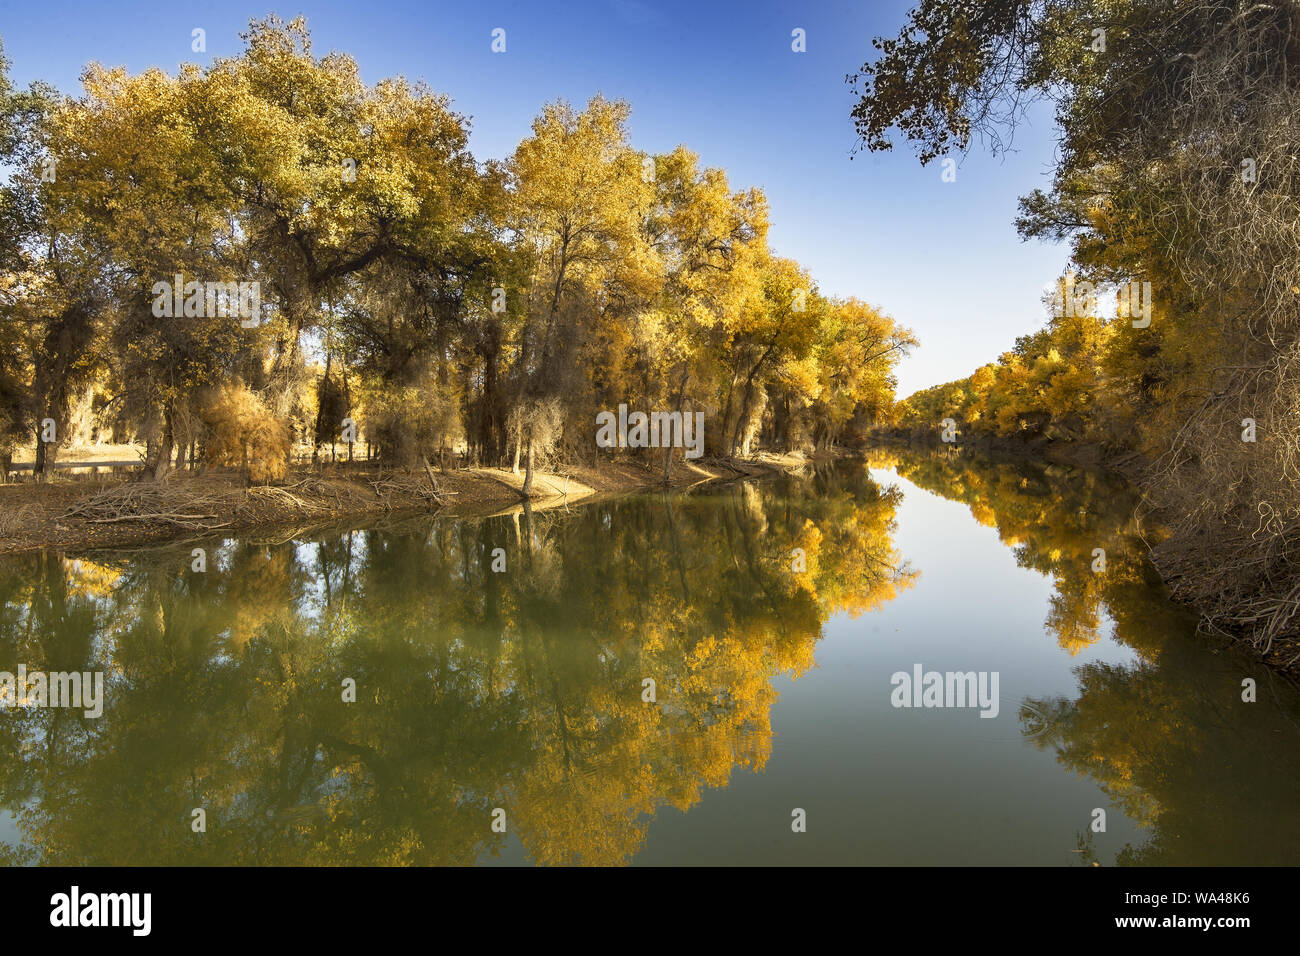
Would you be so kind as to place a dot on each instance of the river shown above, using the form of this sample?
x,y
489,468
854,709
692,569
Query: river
x,y
708,677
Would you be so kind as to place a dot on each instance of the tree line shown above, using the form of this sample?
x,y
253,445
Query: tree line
x,y
407,292
1177,165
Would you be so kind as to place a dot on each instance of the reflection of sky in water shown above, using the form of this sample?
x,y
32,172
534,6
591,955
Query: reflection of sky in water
x,y
915,786
10,835
497,688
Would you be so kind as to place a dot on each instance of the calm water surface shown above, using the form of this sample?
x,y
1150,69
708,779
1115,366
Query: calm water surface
x,y
524,689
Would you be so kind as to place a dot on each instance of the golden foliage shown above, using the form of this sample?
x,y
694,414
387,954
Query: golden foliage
x,y
243,433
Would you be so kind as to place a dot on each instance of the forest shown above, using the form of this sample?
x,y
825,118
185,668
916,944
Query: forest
x,y
1177,170
248,261
257,264
388,479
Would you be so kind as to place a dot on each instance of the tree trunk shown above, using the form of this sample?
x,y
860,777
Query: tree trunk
x,y
322,391
528,475
681,398
726,412
490,427
747,402
742,417
162,464
347,403
47,453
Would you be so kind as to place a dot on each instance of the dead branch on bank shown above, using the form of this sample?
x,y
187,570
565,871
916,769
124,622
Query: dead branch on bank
x,y
163,503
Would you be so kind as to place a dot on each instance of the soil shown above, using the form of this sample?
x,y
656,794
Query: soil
x,y
110,512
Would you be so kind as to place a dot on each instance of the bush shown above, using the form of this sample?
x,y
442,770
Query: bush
x,y
242,432
414,422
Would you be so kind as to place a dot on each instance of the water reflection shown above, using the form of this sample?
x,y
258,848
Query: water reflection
x,y
521,690
1209,779
524,689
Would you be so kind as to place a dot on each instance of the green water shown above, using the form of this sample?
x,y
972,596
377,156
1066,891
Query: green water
x,y
502,716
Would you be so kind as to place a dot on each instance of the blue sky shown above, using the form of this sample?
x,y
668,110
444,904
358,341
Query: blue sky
x,y
720,77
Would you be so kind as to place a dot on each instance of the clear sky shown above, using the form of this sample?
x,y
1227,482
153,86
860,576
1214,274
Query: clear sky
x,y
720,77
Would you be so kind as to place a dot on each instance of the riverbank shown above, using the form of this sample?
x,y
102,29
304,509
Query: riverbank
x,y
119,512
1124,462
1188,584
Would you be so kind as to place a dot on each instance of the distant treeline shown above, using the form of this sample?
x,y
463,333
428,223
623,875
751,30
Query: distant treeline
x,y
391,286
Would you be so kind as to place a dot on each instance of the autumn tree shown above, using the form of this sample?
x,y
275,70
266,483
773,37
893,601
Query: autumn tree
x,y
578,198
20,258
1176,167
711,241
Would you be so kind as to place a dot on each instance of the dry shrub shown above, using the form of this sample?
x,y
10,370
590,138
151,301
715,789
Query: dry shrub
x,y
539,424
413,422
243,433
1231,196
